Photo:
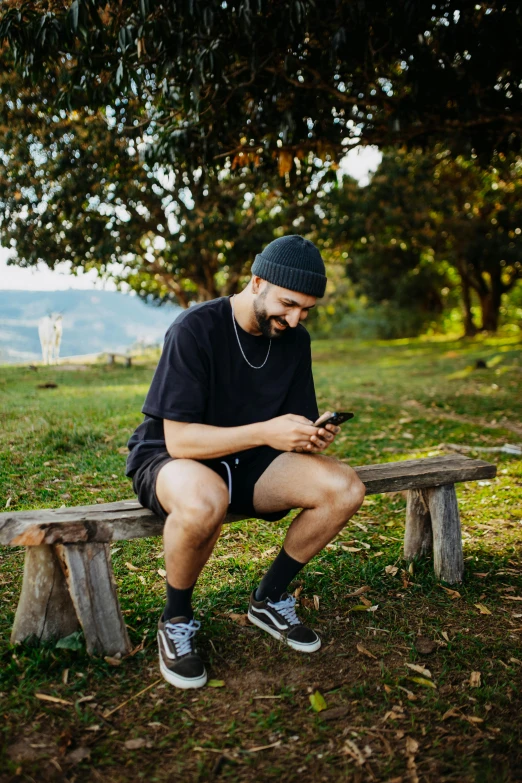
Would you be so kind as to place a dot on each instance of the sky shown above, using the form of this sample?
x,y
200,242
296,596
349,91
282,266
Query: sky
x,y
359,163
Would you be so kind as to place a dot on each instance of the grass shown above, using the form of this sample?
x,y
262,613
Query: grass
x,y
411,398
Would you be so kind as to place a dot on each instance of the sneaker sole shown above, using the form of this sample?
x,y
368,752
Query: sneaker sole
x,y
308,648
181,682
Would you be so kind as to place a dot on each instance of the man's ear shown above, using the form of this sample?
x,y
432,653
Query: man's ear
x,y
257,282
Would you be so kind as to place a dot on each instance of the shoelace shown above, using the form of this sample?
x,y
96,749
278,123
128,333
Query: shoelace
x,y
181,634
286,609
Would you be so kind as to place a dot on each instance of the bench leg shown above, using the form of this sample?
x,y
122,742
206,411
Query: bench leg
x,y
89,576
45,610
448,560
418,536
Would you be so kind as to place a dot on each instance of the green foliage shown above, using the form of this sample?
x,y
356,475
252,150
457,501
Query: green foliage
x,y
222,79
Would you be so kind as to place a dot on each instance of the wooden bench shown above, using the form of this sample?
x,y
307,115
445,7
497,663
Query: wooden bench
x,y
68,579
127,358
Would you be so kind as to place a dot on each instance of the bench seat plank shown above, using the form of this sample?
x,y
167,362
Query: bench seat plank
x,y
127,519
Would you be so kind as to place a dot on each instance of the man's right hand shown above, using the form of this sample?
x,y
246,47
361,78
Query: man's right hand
x,y
289,433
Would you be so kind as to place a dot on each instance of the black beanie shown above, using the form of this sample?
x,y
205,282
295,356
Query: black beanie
x,y
292,262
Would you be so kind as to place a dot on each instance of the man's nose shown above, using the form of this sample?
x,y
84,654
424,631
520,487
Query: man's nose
x,y
292,319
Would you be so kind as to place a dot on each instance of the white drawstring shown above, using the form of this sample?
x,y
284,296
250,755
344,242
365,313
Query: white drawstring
x,y
229,480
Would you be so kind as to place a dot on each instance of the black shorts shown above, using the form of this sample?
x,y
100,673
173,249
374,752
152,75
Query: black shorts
x,y
239,472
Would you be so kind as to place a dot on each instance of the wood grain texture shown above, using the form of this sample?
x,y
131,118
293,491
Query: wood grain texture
x,y
127,519
45,610
448,559
89,577
418,536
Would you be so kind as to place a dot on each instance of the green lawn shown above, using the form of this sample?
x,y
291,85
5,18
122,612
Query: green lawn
x,y
411,398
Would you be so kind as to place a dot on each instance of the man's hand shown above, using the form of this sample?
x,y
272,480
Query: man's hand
x,y
323,435
290,433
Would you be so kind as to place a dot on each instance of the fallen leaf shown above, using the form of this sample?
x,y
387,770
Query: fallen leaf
x,y
298,591
474,680
454,594
388,689
410,568
482,609
351,549
366,652
424,646
134,744
360,591
515,660
77,755
453,712
358,608
411,696
132,567
216,683
445,635
334,713
423,681
412,745
84,699
162,572
123,450
419,669
373,608
316,602
53,699
317,701
391,570
351,749
142,579
512,597
112,661
365,601
473,719
240,619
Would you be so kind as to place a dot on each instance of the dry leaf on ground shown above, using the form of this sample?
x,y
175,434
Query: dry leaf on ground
x,y
240,619
162,572
419,669
475,680
391,570
360,591
134,744
316,602
454,594
132,567
366,652
482,609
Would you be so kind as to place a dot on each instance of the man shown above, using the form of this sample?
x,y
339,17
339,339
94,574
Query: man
x,y
229,428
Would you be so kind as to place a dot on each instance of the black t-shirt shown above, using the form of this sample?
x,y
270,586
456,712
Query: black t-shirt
x,y
203,377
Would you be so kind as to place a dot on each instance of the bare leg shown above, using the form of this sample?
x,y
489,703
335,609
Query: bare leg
x,y
328,491
196,500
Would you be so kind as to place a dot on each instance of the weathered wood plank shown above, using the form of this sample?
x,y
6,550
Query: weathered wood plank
x,y
45,610
448,559
418,536
126,519
89,576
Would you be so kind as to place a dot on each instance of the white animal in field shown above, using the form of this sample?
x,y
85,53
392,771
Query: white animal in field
x,y
50,333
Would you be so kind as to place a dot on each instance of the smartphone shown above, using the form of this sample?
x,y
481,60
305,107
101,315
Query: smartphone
x,y
336,418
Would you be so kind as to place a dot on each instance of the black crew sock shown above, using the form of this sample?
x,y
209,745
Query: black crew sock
x,y
179,603
278,577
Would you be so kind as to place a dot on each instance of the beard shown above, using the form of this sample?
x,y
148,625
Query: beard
x,y
265,322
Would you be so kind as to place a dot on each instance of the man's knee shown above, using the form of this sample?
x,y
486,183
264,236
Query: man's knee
x,y
343,490
200,512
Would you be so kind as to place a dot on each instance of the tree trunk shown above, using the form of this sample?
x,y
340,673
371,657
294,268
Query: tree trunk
x,y
470,330
490,306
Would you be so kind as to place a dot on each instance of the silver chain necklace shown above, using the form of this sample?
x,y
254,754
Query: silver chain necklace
x,y
239,343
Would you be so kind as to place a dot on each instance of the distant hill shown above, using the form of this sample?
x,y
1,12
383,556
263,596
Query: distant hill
x,y
93,321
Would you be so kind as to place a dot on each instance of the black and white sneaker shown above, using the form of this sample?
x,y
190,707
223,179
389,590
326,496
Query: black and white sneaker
x,y
280,621
179,662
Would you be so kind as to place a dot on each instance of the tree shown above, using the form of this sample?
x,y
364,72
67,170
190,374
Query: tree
x,y
218,78
428,222
75,186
